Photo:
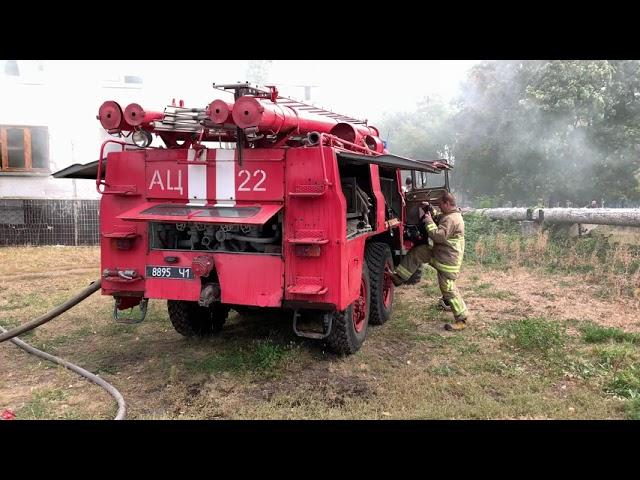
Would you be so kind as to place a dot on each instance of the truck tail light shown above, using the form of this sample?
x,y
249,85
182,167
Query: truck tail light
x,y
308,250
202,265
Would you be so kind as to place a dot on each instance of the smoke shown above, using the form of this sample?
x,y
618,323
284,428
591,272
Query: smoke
x,y
533,132
537,130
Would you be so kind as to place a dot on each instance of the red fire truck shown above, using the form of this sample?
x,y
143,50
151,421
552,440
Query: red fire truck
x,y
257,201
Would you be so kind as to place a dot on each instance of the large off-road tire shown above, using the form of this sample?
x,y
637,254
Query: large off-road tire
x,y
190,319
378,256
349,327
416,277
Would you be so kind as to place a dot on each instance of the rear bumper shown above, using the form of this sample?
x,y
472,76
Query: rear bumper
x,y
245,279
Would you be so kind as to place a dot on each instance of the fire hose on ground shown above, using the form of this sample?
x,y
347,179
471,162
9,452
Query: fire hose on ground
x,y
10,334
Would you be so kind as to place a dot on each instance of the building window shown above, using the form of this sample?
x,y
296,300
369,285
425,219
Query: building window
x,y
133,79
123,81
11,68
29,72
24,149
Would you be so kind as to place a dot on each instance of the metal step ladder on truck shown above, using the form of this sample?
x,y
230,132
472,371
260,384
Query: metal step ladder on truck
x,y
255,202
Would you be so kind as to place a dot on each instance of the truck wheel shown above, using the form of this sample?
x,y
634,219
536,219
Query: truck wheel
x,y
349,327
380,263
190,319
416,277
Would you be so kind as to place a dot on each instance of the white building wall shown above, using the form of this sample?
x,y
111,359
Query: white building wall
x,y
65,98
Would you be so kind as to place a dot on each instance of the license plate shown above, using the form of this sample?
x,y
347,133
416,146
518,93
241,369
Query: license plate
x,y
181,273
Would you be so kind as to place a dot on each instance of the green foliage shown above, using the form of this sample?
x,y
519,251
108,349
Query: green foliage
x,y
626,383
481,229
486,201
479,226
264,357
534,131
43,404
423,134
593,333
613,267
633,409
444,370
533,334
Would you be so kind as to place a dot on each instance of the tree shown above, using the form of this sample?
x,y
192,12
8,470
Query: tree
x,y
554,130
424,134
531,131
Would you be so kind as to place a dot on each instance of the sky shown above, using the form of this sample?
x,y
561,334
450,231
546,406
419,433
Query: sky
x,y
363,89
369,88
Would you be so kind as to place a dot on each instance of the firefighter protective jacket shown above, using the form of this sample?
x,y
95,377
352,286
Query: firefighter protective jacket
x,y
448,243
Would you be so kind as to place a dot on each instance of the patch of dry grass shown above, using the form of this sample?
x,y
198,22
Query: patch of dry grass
x,y
613,266
408,368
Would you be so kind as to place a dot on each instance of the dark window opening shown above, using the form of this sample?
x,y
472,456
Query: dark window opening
x,y
360,201
392,198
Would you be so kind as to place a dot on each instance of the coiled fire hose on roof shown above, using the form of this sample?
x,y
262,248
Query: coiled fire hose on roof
x,y
9,334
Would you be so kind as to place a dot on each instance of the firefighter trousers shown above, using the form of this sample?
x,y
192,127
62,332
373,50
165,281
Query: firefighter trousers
x,y
446,281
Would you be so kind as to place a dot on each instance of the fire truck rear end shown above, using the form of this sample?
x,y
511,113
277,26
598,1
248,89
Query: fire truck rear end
x,y
257,201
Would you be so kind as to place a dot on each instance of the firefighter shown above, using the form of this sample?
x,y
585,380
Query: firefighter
x,y
445,256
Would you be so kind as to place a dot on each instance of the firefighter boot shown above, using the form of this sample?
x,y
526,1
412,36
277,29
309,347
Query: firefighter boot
x,y
444,304
395,278
459,324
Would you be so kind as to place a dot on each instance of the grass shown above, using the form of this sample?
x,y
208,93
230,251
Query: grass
x,y
633,409
54,343
9,323
409,368
262,357
444,370
36,260
612,357
593,333
430,282
43,404
469,347
486,290
538,335
626,383
498,244
498,367
407,317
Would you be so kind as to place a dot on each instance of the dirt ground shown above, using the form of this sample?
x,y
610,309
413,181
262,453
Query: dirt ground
x,y
409,368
